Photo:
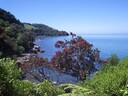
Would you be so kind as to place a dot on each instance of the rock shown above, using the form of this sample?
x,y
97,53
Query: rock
x,y
37,49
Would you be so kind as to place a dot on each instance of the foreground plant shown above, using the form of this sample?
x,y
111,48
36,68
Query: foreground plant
x,y
111,80
8,73
75,90
12,85
45,88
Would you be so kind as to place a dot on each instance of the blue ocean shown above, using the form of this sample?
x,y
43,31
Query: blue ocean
x,y
107,44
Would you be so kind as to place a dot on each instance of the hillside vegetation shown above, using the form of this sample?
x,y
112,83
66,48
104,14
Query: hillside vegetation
x,y
43,30
13,37
111,80
17,37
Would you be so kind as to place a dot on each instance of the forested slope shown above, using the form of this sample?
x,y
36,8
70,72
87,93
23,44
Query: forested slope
x,y
17,37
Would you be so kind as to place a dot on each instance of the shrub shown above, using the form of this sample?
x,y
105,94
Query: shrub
x,y
11,85
113,60
23,88
48,89
75,90
109,82
26,88
8,73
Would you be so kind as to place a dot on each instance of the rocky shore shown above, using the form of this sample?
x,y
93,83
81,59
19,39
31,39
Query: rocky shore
x,y
38,74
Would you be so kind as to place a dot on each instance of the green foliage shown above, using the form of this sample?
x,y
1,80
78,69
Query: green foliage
x,y
8,70
124,91
75,90
48,89
23,88
44,30
113,60
27,40
110,80
11,85
8,73
26,88
29,26
9,47
3,23
7,16
13,29
15,40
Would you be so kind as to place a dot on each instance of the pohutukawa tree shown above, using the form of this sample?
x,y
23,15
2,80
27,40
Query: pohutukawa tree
x,y
76,57
34,67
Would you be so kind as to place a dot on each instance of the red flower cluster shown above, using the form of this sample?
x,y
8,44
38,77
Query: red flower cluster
x,y
77,54
65,50
59,44
58,53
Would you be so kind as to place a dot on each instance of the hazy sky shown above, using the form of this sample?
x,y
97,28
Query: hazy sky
x,y
78,16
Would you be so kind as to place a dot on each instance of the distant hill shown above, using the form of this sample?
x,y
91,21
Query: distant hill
x,y
17,37
43,30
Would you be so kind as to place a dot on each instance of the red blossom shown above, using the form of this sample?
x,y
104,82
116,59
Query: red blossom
x,y
73,41
24,66
58,53
59,44
77,51
65,50
53,60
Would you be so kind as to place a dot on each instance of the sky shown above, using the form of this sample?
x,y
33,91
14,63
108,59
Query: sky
x,y
77,16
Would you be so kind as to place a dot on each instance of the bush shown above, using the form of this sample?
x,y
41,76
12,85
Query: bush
x,y
26,88
48,89
111,81
23,88
75,90
113,60
11,85
8,73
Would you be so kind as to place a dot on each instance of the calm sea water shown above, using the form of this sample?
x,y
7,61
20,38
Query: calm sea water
x,y
107,44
